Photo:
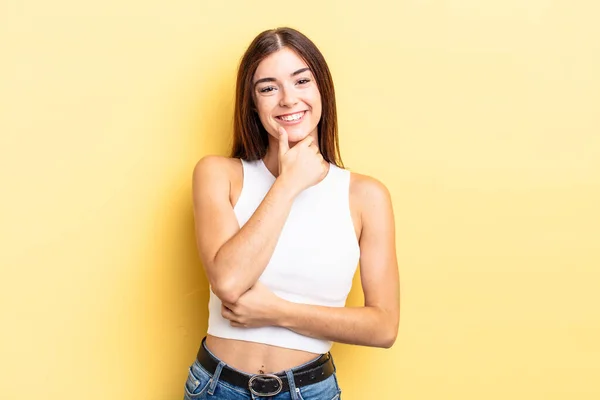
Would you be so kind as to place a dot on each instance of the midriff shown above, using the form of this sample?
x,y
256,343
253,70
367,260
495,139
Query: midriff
x,y
256,358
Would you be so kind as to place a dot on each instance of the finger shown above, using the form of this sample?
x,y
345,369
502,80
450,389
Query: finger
x,y
308,141
284,145
228,305
227,313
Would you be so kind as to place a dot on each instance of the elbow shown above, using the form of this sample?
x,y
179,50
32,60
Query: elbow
x,y
226,290
388,337
224,285
387,343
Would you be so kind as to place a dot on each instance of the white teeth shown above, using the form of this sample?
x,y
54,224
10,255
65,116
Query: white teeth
x,y
293,117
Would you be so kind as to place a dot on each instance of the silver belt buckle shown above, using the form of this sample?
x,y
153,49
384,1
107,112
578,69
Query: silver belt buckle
x,y
254,392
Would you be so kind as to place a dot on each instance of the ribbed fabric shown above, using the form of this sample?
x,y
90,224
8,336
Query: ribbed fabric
x,y
315,258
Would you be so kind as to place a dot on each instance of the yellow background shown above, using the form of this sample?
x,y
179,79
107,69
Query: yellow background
x,y
481,117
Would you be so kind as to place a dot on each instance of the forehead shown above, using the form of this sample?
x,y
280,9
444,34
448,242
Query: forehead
x,y
281,64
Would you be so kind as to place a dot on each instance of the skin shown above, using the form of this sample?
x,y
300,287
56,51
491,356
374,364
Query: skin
x,y
234,258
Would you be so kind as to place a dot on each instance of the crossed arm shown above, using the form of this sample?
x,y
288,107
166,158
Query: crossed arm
x,y
251,304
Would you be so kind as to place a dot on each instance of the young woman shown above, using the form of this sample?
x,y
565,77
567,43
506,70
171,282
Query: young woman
x,y
280,228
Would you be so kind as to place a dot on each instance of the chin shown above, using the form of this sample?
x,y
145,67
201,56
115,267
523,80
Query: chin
x,y
296,136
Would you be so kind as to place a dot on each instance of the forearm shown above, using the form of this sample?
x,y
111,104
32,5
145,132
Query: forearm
x,y
366,326
242,259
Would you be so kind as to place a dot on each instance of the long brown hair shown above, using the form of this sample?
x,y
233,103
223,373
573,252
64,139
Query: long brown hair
x,y
250,139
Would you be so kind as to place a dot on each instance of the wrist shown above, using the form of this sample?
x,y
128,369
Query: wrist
x,y
284,310
286,187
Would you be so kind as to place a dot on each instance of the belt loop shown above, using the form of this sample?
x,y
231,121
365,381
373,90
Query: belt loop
x,y
292,384
332,363
215,378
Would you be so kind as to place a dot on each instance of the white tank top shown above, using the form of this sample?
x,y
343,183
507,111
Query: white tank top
x,y
314,260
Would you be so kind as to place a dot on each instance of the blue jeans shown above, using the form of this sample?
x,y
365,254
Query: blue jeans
x,y
201,385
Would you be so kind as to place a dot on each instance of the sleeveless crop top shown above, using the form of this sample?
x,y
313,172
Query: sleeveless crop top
x,y
314,260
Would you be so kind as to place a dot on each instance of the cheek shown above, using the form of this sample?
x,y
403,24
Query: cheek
x,y
262,109
265,111
265,105
317,106
315,97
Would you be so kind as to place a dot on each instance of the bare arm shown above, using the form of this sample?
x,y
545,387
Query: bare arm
x,y
375,324
365,326
234,258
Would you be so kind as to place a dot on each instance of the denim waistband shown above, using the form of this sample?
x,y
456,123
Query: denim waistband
x,y
294,392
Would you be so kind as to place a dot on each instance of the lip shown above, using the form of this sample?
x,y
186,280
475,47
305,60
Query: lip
x,y
297,121
292,113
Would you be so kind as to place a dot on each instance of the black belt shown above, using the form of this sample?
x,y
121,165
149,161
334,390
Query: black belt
x,y
269,384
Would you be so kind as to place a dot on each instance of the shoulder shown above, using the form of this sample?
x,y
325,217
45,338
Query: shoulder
x,y
212,165
374,209
368,192
214,170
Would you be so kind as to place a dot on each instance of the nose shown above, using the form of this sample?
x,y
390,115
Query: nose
x,y
288,97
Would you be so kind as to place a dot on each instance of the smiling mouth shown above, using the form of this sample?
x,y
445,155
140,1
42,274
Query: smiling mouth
x,y
291,117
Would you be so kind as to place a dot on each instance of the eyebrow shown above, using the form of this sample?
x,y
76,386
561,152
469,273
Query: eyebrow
x,y
301,70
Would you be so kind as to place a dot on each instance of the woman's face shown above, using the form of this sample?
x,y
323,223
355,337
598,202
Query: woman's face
x,y
286,93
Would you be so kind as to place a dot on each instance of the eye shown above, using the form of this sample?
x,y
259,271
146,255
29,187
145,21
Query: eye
x,y
266,89
303,81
